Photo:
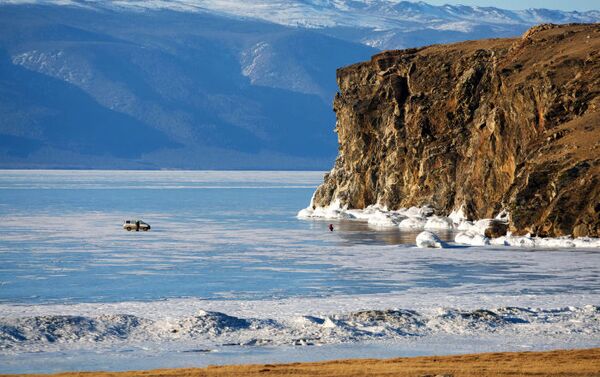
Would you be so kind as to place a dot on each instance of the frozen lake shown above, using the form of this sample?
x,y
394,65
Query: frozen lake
x,y
229,274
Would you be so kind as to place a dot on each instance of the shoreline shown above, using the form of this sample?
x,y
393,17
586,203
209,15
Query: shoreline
x,y
578,362
486,232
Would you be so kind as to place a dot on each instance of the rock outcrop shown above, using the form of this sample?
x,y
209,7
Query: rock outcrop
x,y
483,126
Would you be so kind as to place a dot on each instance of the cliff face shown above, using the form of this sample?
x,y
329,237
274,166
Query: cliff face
x,y
486,126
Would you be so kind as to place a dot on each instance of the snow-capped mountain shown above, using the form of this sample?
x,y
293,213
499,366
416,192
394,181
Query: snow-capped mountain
x,y
371,17
203,83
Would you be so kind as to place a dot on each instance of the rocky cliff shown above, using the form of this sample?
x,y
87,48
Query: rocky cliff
x,y
482,126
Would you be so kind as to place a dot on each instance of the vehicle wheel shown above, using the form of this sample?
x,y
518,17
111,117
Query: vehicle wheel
x,y
128,229
145,229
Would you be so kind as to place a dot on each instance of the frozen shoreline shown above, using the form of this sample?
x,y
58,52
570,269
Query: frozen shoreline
x,y
535,320
101,332
423,218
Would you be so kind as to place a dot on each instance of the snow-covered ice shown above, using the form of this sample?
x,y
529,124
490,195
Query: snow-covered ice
x,y
216,329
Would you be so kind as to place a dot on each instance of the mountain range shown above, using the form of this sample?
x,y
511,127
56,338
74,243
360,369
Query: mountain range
x,y
203,84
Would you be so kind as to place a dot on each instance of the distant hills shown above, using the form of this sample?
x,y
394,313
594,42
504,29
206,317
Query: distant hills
x,y
195,84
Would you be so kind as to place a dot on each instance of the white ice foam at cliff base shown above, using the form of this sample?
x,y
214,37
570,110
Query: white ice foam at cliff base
x,y
419,218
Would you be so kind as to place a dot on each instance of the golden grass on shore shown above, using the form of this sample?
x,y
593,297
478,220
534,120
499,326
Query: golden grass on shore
x,y
572,363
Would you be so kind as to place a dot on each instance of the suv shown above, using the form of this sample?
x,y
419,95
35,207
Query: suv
x,y
136,225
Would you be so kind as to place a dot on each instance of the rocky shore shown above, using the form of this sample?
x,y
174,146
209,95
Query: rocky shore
x,y
479,128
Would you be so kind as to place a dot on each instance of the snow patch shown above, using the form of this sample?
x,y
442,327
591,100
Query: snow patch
x,y
375,15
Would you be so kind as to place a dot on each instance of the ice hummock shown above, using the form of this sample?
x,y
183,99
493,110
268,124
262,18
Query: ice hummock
x,y
429,240
215,329
470,233
471,238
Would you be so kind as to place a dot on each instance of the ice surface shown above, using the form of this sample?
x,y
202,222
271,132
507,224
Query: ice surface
x,y
226,272
163,180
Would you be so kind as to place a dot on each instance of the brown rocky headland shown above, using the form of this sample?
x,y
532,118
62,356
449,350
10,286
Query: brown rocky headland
x,y
483,126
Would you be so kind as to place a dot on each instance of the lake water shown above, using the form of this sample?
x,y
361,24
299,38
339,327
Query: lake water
x,y
229,274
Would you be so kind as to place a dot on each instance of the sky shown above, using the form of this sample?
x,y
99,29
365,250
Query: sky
x,y
579,5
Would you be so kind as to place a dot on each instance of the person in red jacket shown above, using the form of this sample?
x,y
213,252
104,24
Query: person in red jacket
x,y
331,227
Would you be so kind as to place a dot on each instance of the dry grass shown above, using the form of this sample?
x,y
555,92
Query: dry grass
x,y
574,363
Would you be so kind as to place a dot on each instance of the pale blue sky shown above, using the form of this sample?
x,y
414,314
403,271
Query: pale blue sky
x,y
523,4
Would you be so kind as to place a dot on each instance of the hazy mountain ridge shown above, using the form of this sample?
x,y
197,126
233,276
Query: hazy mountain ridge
x,y
220,84
183,80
